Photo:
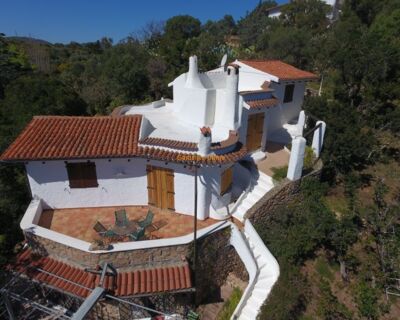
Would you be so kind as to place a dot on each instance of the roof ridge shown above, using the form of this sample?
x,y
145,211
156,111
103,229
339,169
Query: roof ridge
x,y
264,60
83,117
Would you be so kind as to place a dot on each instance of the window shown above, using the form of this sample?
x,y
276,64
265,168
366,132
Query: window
x,y
226,180
82,175
289,89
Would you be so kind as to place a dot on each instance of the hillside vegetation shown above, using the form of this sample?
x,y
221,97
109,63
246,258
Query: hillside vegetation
x,y
338,245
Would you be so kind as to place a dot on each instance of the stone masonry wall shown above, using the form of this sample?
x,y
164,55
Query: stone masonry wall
x,y
281,195
216,259
140,258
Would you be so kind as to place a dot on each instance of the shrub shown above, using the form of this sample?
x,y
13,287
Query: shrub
x,y
279,173
367,301
309,159
288,298
230,304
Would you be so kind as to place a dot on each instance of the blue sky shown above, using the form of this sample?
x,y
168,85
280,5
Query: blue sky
x,y
89,20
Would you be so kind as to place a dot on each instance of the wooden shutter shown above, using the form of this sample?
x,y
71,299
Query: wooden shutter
x,y
169,175
89,175
82,175
151,185
74,175
226,180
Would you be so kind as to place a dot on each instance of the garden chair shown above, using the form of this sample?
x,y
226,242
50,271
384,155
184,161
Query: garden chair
x,y
192,315
102,230
147,221
138,234
121,219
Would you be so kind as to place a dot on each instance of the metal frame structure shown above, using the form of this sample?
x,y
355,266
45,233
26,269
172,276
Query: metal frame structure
x,y
24,298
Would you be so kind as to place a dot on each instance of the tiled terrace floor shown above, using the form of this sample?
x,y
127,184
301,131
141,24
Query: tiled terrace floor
x,y
277,156
79,222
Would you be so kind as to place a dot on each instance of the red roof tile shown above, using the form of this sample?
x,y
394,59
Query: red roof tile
x,y
192,158
191,146
280,69
63,138
262,103
60,137
79,281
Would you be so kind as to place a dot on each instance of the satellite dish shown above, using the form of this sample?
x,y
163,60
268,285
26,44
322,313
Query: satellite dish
x,y
223,60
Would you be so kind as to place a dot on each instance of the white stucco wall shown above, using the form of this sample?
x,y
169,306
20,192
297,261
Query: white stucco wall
x,y
290,110
120,183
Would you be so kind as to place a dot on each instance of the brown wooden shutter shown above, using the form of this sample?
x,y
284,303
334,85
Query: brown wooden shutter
x,y
74,175
170,189
151,185
89,175
82,175
226,180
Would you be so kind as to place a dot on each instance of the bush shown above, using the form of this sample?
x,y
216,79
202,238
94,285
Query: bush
x,y
230,305
329,307
309,159
288,297
279,173
367,301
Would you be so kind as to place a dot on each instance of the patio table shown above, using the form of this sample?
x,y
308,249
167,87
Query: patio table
x,y
126,230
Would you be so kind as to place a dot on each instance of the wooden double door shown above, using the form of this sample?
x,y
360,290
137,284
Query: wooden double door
x,y
160,186
255,129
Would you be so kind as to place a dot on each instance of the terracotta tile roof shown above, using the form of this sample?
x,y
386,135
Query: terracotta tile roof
x,y
280,69
191,146
63,138
192,158
262,103
60,137
144,281
174,144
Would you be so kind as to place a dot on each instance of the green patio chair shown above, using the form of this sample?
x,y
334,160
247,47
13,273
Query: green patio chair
x,y
138,234
193,315
102,230
147,221
121,219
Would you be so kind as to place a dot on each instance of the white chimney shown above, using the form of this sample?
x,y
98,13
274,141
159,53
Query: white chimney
x,y
231,96
205,141
192,77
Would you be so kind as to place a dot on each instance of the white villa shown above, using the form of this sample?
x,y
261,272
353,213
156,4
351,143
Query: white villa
x,y
213,137
276,11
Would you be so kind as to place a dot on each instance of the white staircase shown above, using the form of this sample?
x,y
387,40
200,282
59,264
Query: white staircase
x,y
261,185
262,280
267,275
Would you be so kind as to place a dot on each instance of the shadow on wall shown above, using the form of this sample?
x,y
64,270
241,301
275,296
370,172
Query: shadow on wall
x,y
56,171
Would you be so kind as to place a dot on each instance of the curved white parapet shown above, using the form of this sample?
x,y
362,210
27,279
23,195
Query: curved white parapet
x,y
32,216
241,247
266,275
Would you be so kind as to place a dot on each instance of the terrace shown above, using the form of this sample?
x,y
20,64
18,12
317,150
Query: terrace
x,y
78,222
276,156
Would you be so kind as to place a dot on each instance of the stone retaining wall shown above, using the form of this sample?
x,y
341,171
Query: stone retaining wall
x,y
139,258
216,260
281,195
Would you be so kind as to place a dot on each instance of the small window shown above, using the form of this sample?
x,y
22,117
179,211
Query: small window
x,y
82,175
226,180
289,89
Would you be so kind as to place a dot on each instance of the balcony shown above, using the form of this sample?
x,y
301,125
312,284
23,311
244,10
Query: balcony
x,y
73,227
276,156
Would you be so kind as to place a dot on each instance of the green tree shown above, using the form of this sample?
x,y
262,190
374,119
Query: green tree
x,y
13,63
177,33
